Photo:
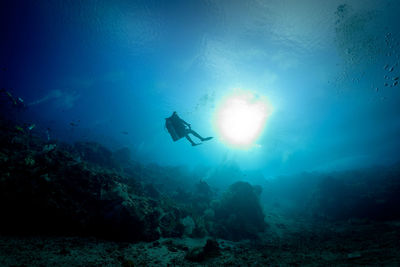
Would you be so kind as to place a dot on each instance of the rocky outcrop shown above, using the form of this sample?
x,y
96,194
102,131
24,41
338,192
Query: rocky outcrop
x,y
239,214
199,254
85,189
95,153
363,194
56,188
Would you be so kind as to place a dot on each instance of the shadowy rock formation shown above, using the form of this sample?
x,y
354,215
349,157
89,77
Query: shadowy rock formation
x,y
200,254
95,153
367,194
239,214
60,189
86,189
363,194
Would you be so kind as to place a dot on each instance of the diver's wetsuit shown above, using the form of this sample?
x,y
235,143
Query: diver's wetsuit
x,y
183,128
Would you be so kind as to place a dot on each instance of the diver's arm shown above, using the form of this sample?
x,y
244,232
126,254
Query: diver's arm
x,y
188,125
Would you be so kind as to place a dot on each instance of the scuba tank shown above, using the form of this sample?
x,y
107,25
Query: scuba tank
x,y
175,127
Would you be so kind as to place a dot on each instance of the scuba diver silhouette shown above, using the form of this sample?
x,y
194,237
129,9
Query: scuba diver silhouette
x,y
179,128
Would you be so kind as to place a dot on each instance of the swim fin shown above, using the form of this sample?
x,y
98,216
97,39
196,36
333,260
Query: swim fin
x,y
194,144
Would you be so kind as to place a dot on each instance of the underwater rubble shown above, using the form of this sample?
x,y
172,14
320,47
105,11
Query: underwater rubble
x,y
54,188
83,204
85,189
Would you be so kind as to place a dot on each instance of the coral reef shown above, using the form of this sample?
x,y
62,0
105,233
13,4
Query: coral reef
x,y
83,204
63,189
86,189
239,213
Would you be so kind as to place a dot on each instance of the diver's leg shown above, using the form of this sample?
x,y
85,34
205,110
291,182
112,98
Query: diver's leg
x,y
190,140
198,136
195,134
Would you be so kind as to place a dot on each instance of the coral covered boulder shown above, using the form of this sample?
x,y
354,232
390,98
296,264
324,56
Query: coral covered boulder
x,y
239,214
55,188
95,153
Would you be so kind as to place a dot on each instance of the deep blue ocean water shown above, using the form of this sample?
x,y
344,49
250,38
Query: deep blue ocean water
x,y
112,71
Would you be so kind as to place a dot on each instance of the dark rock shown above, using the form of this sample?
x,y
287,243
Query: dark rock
x,y
170,224
127,263
199,254
172,249
95,154
63,251
151,191
212,248
167,242
156,244
239,214
74,190
195,254
182,247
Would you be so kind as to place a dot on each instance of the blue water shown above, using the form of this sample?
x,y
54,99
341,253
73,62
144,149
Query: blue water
x,y
112,71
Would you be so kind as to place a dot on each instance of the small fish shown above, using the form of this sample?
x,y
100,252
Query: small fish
x,y
377,89
391,69
386,84
73,124
395,83
30,127
395,78
19,128
125,132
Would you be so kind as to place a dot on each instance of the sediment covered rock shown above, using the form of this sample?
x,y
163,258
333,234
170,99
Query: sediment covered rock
x,y
61,189
239,214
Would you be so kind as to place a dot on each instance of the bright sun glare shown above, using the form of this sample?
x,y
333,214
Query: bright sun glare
x,y
241,117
